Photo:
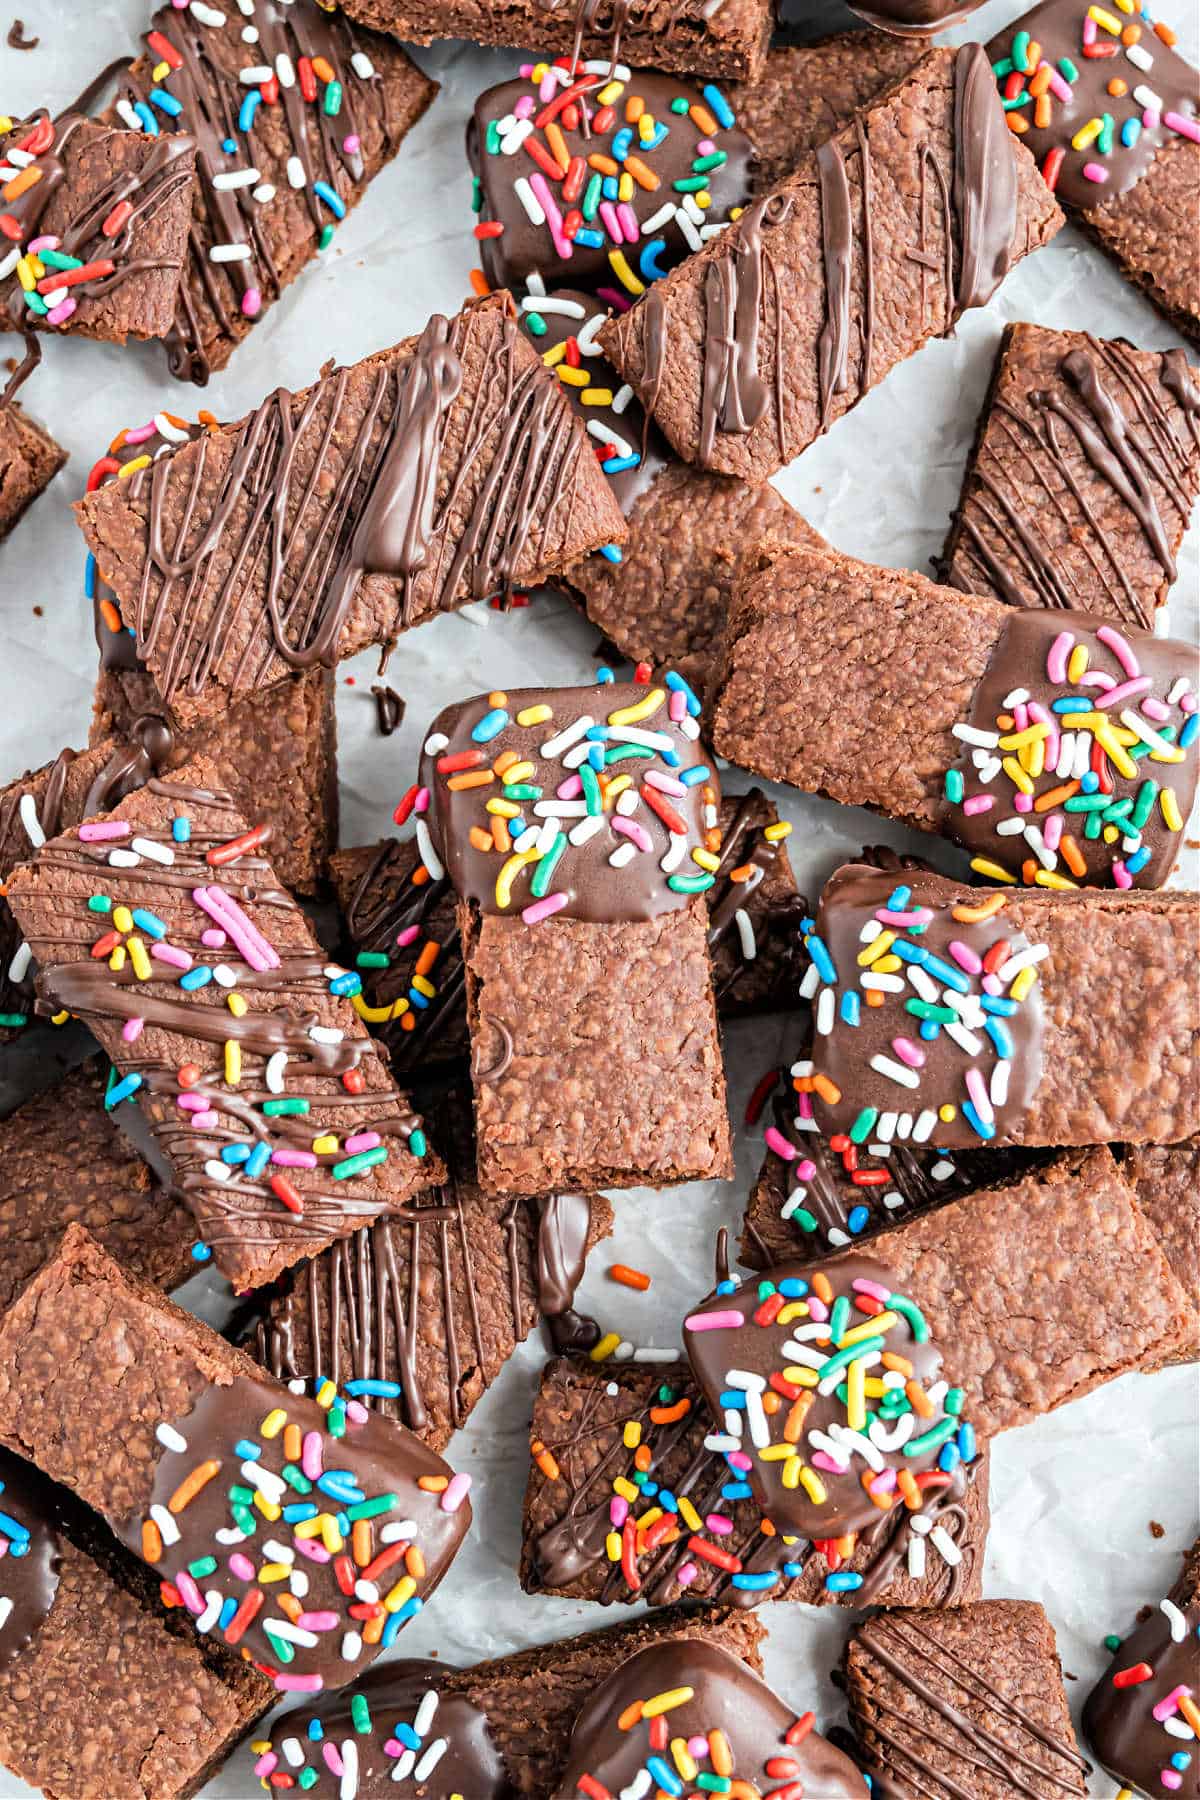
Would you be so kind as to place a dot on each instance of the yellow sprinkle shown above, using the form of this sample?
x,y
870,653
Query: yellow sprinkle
x,y
1077,663
612,1546
790,1475
325,1145
519,771
59,1018
1017,775
666,1701
237,1005
689,1515
274,1423
649,1518
703,199
131,468
540,71
1016,740
139,959
378,1015
554,355
274,1572
535,715
602,1351
395,1597
1172,817
122,918
881,1322
331,1537
424,986
1048,879
780,829
1022,982
1111,834
875,949
233,1062
626,1489
625,186
631,1437
948,1111
116,961
593,396
268,1508
777,1452
706,860
508,874
616,786
983,866
812,1484
160,71
327,1392
800,1377
856,1399
1087,134
683,1759
624,273
1105,20
574,377
888,965
641,709
609,95
260,1746
646,127
25,275
795,1309
504,809
874,1388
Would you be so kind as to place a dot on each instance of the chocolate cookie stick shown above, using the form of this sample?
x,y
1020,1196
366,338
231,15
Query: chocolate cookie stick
x,y
241,1495
1083,476
1057,748
163,927
879,241
96,226
445,470
957,1016
1109,109
578,827
290,124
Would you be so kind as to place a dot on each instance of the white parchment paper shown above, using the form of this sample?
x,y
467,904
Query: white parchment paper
x,y
1073,1495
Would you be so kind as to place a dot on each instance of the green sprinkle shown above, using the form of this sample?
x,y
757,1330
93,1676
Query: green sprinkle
x,y
841,1359
666,1395
326,237
931,1440
244,1519
205,1565
36,304
715,161
690,184
804,1219
354,1165
360,1713
333,99
418,1143
58,259
476,195
371,1509
296,1479
100,903
839,1318
308,1778
713,1784
765,1289
243,1495
911,1312
864,1125
679,104
689,884
591,790
543,874
1002,68
1092,826
283,1650
337,1420
371,959
1020,52
1104,142
521,790
624,752
1112,1643
535,324
1086,803
953,1402
1068,69
593,193
13,1021
492,138
277,1109
1021,100
1147,794
955,786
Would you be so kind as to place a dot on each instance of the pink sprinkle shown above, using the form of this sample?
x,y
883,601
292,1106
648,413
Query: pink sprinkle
x,y
1021,715
333,1760
204,1121
618,1511
1056,656
1089,31
252,303
526,70
542,909
318,1621
775,1140
629,220
977,1088
874,1289
1097,678
352,144
1188,703
1171,1778
686,1574
570,789
1125,691
1168,1706
213,939
718,1524
1186,127
34,247
805,1170
965,957
1121,648
58,315
817,1310
666,784
299,1684
189,1593
356,1412
677,705
1060,87
524,107
241,1566
362,1140
917,915
546,88
313,1549
295,1159
265,1764
884,1482
247,938
132,1030
1095,172
1151,119
698,1748
804,1106
406,936
311,1460
991,984
611,297
705,147
141,433
738,1459
1023,802
821,1460
170,953
1041,716
1154,709
457,1491
908,1052
1052,831
716,1321
612,221
1121,874
421,803
562,245
393,1747
192,1102
978,803
99,830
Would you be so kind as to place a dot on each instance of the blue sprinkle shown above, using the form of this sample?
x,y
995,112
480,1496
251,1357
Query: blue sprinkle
x,y
617,465
611,553
89,577
660,133
1137,862
821,957
181,830
1181,1760
930,1031
976,1123
793,1287
149,922
793,1569
340,1486
1090,781
299,1511
622,144
201,1252
398,1620
1131,131
719,106
694,776
349,983
898,899
966,1441
408,1737
416,997
648,259
851,1008
678,685
844,1582
609,188
247,110
947,974
993,1003
228,146
1072,703
235,1153
333,201
667,1500
857,1219
1191,728
756,1584
12,1529
594,240
227,1612
247,1451
664,1776
736,1490
257,1161
671,758
149,122
1002,1038
376,1390
734,1399
165,102
121,1091
727,1287
949,1458
195,978
490,726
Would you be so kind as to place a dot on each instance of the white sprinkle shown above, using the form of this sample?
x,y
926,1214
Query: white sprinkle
x,y
687,230
534,283
676,851
429,855
622,855
295,172
265,193
284,70
256,75
1024,959
633,734
171,1439
7,266
1178,1729
810,982
173,433
1179,688
532,206
525,840
623,1351
1033,837
1140,729
209,15
265,1480
998,1087
585,339
883,984
586,828
745,931
1009,827
921,1523
273,1076
292,1752
276,1552
250,34
746,1380
569,309
942,1170
1017,697
734,1424
885,1130
362,65
564,739
292,1634
351,1647
694,213
793,1202
235,178
826,1012
399,1531
229,1535
128,116
217,1171
916,1557
423,1718
657,220
892,1070
512,140
168,1530
925,1125
229,253
971,734
29,819
214,1600
892,1199
325,1034
966,1040
430,1760
1175,1619
941,1540
224,976
621,398
298,1583
604,434
1147,98
19,966
1140,57
403,1766
600,66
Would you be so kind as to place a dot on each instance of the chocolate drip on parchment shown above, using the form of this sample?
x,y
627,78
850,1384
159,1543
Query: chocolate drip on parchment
x,y
1132,448
576,1543
933,1673
16,39
391,501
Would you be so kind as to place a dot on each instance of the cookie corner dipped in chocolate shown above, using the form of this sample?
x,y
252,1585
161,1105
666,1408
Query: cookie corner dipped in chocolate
x,y
29,1566
684,1709
828,1394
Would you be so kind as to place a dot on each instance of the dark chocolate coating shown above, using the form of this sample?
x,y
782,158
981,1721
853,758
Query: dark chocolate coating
x,y
913,18
722,1695
29,1565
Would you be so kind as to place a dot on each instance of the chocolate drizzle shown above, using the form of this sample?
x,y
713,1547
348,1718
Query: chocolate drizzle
x,y
1107,443
987,1734
733,395
29,1565
985,181
837,243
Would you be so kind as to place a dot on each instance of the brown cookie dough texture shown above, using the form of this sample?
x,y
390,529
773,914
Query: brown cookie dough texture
x,y
29,461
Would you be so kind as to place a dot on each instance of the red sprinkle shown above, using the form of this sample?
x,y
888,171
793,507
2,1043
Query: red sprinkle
x,y
543,159
165,49
220,854
105,944
252,1601
308,81
270,91
354,1081
287,1193
92,271
642,673
187,1074
667,814
489,228
40,138
770,1309
595,1790
120,213
406,805
574,179
1052,166
461,759
629,1568
870,1178
1133,1676
343,1573
10,227
710,1553
797,1733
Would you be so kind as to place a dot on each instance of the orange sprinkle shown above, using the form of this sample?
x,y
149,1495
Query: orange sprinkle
x,y
919,1399
1029,869
630,1278
642,173
501,836
743,872
1071,854
152,1544
293,1442
900,1364
771,1402
631,1716
1131,35
1055,796
289,1605
873,997
21,184
703,120
669,1415
1043,112
429,955
414,1563
845,1545
544,1460
419,876
1040,83
480,839
480,286
827,1089
360,1542
110,615
720,1753
372,1631
1117,87
433,1484
1166,34
1016,124
821,1287
766,1527
975,915
906,1481
635,106
473,778
604,164
191,1484
794,1423
558,146
641,1458
322,69
505,760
